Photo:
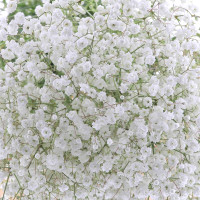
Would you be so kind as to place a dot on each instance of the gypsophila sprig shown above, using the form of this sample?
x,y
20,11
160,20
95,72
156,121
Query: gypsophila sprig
x,y
100,100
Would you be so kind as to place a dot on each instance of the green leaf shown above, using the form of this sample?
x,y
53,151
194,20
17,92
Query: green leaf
x,y
150,186
67,102
138,21
173,38
40,83
32,104
59,73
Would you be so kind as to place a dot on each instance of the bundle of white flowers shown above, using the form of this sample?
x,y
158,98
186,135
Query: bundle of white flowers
x,y
100,102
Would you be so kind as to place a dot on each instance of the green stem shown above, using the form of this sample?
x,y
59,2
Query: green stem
x,y
6,185
75,191
33,156
17,181
17,193
137,48
184,154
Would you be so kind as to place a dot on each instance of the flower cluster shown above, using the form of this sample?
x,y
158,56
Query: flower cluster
x,y
100,101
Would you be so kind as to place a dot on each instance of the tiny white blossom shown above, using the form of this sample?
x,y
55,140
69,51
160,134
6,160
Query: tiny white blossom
x,y
46,132
109,141
172,143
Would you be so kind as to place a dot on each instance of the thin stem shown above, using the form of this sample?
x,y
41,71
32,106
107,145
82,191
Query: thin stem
x,y
34,155
6,185
16,193
137,48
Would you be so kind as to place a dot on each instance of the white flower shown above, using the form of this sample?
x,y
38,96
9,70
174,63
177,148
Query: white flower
x,y
123,88
113,24
132,77
109,141
7,54
3,35
198,121
39,10
145,151
86,66
82,43
19,18
134,28
153,89
102,96
71,57
63,188
33,185
13,187
147,101
172,143
149,60
57,84
46,132
119,110
22,100
28,27
11,6
100,103
69,90
3,176
107,166
100,20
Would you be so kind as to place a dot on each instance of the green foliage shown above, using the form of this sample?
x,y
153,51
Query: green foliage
x,y
32,104
59,73
90,6
173,38
68,102
2,62
52,105
40,83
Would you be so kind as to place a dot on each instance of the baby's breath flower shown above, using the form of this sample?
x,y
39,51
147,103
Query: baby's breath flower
x,y
100,100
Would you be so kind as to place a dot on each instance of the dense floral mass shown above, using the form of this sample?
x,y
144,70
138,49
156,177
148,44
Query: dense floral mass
x,y
101,101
